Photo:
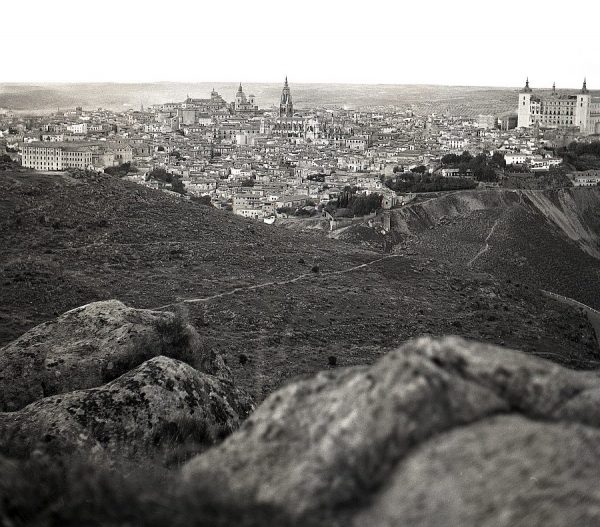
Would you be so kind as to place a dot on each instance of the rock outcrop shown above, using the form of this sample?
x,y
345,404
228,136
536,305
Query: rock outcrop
x,y
436,432
157,402
91,345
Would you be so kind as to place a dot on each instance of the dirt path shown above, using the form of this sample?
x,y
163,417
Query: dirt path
x,y
278,283
592,314
486,247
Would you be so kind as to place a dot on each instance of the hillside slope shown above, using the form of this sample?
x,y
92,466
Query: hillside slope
x,y
274,303
549,239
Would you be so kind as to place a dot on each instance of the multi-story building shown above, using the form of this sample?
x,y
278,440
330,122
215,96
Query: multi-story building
x,y
57,156
565,110
75,154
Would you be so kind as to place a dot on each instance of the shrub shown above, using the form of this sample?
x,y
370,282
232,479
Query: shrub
x,y
187,436
173,337
71,491
332,360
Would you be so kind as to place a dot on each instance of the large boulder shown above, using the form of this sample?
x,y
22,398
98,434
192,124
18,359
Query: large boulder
x,y
504,471
155,405
354,444
94,344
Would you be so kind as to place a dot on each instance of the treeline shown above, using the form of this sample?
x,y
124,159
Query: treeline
x,y
160,174
582,156
414,182
120,170
354,204
481,166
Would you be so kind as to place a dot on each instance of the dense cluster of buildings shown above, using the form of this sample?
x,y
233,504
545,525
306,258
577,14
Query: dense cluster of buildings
x,y
265,162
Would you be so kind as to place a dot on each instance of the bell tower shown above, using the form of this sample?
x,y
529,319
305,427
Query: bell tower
x,y
524,109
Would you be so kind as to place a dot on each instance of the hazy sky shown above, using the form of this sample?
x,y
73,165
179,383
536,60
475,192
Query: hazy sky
x,y
458,42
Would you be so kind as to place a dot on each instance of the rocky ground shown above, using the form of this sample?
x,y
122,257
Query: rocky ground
x,y
437,432
140,332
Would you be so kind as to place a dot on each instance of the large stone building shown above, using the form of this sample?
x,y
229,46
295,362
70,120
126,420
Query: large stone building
x,y
56,156
214,104
74,154
289,124
577,110
243,103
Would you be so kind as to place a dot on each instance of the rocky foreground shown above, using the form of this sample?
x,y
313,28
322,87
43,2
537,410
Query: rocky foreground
x,y
437,432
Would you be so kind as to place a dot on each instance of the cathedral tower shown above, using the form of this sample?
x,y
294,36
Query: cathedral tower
x,y
286,107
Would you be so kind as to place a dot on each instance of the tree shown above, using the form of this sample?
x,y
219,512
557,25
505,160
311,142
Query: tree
x,y
466,157
160,174
177,186
203,200
248,182
498,160
450,159
120,170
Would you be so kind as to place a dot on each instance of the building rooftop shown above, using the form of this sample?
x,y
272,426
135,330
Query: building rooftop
x,y
66,145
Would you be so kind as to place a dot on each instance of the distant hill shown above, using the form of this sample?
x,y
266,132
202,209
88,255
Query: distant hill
x,y
275,303
421,98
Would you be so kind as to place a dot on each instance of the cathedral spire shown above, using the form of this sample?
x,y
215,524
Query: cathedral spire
x,y
286,107
584,87
527,89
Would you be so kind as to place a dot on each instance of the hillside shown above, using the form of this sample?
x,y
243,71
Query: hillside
x,y
549,239
275,303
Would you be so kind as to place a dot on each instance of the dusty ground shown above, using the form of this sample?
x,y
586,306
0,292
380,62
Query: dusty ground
x,y
70,241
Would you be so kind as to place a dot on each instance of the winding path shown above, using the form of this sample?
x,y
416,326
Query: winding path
x,y
486,247
592,314
278,283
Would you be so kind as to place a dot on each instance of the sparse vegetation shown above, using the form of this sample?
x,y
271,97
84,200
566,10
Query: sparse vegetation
x,y
555,178
121,170
412,182
173,338
581,156
160,174
72,491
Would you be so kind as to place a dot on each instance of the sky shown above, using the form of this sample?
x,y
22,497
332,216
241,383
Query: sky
x,y
458,42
